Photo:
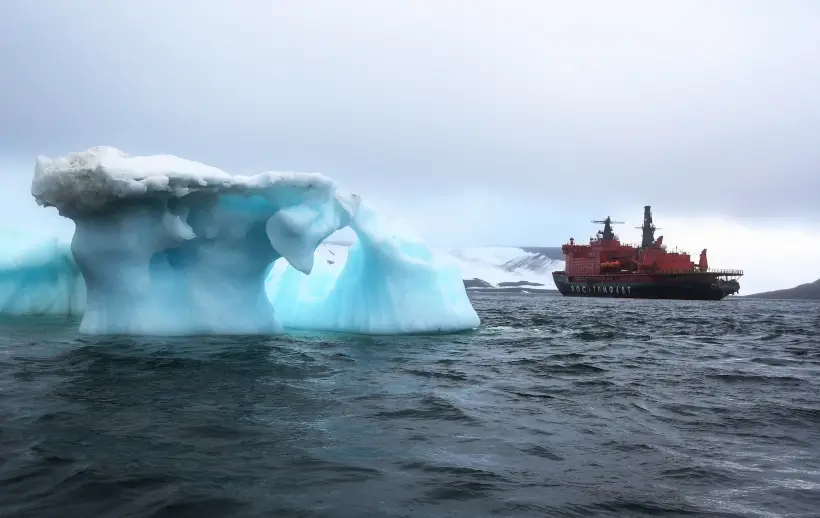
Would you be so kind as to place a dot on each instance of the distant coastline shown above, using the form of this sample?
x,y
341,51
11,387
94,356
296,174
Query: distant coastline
x,y
807,291
482,286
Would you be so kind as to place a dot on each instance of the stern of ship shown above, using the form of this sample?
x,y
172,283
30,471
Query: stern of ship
x,y
728,286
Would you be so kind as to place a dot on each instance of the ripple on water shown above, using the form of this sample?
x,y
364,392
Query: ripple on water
x,y
555,407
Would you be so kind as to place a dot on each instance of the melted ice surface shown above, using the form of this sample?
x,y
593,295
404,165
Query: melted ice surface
x,y
170,246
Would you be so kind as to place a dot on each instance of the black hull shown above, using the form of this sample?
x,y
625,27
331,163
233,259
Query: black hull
x,y
678,287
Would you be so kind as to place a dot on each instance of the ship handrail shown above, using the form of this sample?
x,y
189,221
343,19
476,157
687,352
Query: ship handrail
x,y
717,271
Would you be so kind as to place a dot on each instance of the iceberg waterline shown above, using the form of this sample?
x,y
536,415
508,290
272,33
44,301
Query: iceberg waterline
x,y
164,245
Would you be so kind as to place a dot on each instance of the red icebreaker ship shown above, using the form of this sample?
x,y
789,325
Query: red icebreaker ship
x,y
607,268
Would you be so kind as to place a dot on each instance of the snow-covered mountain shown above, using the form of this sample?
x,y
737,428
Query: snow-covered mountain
x,y
486,266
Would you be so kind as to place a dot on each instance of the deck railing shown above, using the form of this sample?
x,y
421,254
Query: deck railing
x,y
710,270
723,272
727,272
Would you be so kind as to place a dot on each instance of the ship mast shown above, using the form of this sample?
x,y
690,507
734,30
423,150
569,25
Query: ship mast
x,y
607,233
648,228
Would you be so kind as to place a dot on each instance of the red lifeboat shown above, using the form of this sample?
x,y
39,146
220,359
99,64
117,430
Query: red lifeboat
x,y
611,266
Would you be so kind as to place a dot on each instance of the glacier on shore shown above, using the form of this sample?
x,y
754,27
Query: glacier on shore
x,y
169,246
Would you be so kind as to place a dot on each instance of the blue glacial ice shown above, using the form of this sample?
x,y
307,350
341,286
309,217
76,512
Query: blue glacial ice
x,y
389,283
163,245
38,277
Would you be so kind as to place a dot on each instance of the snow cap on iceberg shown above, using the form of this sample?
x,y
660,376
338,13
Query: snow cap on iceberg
x,y
90,180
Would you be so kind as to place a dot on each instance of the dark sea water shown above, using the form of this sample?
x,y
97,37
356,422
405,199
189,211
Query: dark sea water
x,y
555,407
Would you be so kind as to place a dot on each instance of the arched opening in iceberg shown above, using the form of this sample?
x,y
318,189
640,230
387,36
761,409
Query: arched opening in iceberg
x,y
170,246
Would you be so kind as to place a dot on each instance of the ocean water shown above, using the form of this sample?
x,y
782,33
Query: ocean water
x,y
555,407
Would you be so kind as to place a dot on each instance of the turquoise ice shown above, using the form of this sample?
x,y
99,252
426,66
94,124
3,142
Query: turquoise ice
x,y
163,245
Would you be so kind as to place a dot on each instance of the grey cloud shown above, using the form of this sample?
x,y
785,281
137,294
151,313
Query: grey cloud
x,y
553,108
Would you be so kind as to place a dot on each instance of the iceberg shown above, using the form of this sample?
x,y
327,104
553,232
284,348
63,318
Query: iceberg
x,y
391,282
38,277
164,245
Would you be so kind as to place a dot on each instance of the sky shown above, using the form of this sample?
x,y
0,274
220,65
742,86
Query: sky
x,y
476,122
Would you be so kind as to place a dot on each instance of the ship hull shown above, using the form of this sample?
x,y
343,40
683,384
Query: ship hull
x,y
638,286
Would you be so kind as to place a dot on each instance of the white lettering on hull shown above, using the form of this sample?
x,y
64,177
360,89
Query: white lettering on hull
x,y
601,289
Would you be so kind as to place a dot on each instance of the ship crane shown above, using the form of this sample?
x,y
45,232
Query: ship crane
x,y
607,232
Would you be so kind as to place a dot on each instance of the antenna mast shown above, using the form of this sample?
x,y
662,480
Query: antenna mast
x,y
607,233
648,228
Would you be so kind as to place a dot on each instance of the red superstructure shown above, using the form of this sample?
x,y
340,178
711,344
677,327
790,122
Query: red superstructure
x,y
606,266
607,254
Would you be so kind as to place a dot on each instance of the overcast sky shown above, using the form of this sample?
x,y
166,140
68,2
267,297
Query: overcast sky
x,y
503,122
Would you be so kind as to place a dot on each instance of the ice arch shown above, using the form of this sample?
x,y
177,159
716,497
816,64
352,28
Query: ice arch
x,y
170,246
